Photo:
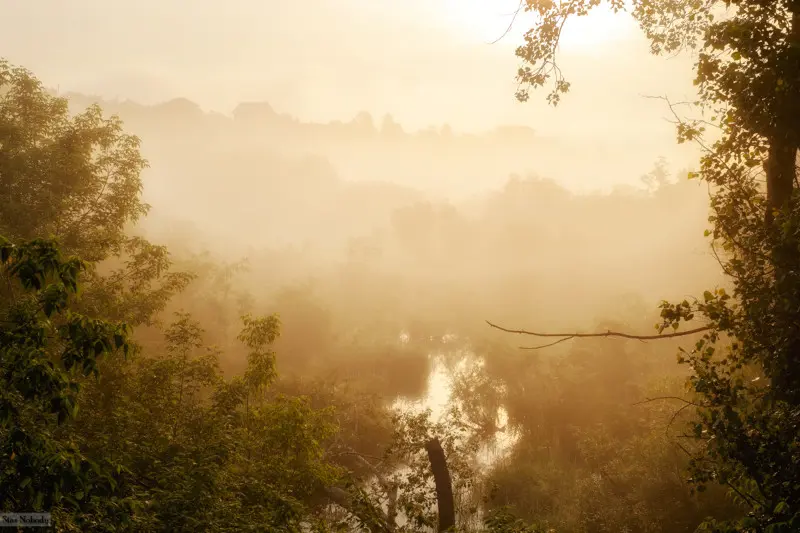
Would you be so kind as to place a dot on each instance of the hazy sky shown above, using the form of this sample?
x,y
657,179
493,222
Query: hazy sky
x,y
425,61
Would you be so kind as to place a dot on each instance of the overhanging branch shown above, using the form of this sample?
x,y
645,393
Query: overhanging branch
x,y
549,344
609,333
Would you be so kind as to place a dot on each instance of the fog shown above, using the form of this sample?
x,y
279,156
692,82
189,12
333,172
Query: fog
x,y
363,169
426,63
371,230
375,154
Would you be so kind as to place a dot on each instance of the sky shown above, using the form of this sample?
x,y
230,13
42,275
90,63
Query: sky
x,y
427,62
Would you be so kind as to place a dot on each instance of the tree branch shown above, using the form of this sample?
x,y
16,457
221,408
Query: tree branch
x,y
559,341
514,16
608,333
657,398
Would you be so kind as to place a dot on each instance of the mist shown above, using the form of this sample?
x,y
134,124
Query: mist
x,y
363,170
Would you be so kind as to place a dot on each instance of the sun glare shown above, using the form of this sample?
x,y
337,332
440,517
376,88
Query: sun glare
x,y
489,20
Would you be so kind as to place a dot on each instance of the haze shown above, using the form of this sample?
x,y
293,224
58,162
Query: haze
x,y
265,124
424,61
366,163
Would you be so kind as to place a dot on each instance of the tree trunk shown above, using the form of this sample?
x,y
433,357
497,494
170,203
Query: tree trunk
x,y
784,141
444,485
781,173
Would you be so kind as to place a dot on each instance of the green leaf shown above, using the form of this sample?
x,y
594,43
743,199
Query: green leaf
x,y
781,508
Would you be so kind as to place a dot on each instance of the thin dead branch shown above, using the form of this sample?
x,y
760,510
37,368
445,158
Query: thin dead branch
x,y
657,398
547,345
514,16
608,333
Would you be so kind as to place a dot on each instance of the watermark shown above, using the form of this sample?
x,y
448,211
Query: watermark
x,y
25,520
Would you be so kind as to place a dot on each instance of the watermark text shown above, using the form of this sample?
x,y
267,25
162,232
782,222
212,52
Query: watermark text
x,y
25,520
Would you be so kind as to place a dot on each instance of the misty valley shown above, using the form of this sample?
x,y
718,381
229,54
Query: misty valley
x,y
260,321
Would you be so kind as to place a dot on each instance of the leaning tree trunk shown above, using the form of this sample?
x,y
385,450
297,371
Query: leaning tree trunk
x,y
444,485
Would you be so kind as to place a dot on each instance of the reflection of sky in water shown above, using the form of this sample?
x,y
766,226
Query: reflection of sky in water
x,y
438,398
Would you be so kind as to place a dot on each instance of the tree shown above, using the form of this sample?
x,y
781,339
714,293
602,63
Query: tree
x,y
363,124
163,440
78,179
747,73
198,450
46,348
658,177
390,128
745,369
580,454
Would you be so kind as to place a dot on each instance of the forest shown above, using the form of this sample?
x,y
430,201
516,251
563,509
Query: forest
x,y
204,326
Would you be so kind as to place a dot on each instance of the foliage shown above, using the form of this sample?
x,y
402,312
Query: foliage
x,y
204,451
163,442
502,521
45,350
78,179
412,473
744,369
584,451
198,429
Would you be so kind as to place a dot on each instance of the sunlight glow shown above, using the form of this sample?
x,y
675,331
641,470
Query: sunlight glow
x,y
489,20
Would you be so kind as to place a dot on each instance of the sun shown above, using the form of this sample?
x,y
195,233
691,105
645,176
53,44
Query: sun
x,y
489,20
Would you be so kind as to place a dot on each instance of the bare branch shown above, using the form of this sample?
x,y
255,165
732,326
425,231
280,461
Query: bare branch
x,y
674,417
602,334
546,345
655,399
510,24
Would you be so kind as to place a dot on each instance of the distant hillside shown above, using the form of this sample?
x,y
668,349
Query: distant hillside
x,y
275,180
261,117
436,159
